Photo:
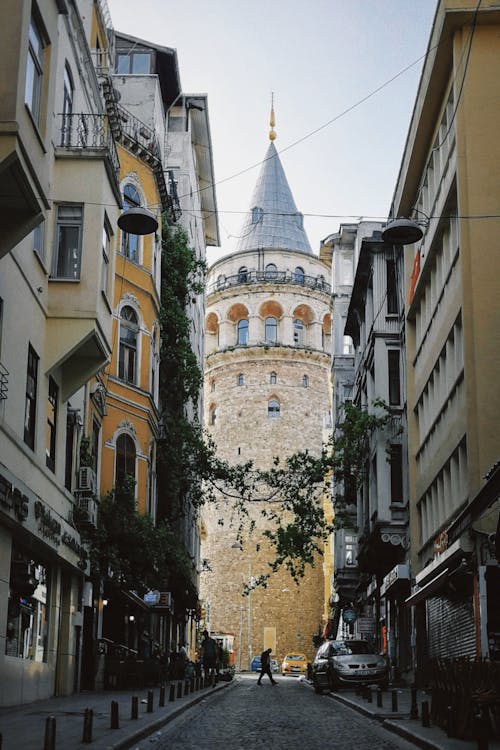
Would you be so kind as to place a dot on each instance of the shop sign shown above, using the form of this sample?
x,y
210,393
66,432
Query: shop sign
x,y
398,573
349,615
152,597
12,499
48,526
366,625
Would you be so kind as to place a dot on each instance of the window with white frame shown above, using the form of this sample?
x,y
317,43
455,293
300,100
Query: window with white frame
x,y
242,338
127,357
130,242
271,330
34,70
31,397
298,332
125,458
272,378
106,244
68,242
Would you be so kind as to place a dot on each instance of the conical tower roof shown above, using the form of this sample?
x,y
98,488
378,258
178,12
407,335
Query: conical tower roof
x,y
273,221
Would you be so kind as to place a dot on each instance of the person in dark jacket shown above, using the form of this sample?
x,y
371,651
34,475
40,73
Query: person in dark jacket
x,y
209,655
265,667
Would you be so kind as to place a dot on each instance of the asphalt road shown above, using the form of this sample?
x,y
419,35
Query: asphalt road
x,y
289,716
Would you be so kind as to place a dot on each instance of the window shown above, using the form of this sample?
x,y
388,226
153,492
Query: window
x,y
68,243
347,345
106,241
273,408
392,291
350,550
50,437
394,379
271,331
242,275
271,271
396,459
298,332
125,458
138,62
130,242
127,359
31,393
212,415
240,379
34,71
71,421
67,108
27,623
38,240
272,378
305,381
257,215
298,275
242,332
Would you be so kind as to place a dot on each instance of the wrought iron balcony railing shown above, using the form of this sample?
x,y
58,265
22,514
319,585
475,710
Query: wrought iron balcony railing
x,y
4,382
269,277
140,136
88,132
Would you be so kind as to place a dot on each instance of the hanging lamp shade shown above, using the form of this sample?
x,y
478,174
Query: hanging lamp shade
x,y
137,220
402,232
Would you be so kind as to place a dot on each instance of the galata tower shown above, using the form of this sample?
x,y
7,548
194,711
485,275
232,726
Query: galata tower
x,y
267,365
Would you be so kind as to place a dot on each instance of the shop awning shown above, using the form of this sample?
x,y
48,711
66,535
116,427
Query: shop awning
x,y
429,589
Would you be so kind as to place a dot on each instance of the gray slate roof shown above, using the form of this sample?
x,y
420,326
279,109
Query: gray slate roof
x,y
274,221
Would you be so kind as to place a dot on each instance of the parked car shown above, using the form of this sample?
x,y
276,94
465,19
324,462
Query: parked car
x,y
294,663
255,664
348,663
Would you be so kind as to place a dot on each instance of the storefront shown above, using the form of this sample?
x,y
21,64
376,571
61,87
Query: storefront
x,y
41,578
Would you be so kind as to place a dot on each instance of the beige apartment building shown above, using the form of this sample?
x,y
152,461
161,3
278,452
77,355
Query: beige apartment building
x,y
448,181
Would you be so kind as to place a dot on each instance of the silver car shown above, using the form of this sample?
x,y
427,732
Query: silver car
x,y
344,663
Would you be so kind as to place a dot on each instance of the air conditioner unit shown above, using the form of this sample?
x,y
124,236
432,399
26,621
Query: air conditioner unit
x,y
88,505
87,479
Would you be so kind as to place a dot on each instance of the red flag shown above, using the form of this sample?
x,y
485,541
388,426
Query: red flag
x,y
414,275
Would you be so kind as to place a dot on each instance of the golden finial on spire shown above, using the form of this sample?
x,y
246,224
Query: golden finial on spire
x,y
272,133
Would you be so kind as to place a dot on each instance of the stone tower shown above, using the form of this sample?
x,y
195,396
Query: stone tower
x,y
268,341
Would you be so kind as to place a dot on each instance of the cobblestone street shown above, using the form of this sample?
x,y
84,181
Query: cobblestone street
x,y
287,717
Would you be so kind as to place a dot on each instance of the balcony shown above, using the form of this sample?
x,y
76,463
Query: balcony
x,y
91,135
4,382
243,278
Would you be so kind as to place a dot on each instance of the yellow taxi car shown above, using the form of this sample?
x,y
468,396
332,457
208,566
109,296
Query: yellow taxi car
x,y
294,663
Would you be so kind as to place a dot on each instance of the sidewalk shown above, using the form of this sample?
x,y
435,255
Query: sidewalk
x,y
429,738
23,727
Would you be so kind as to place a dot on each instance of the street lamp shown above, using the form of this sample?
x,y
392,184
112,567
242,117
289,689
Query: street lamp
x,y
402,231
137,220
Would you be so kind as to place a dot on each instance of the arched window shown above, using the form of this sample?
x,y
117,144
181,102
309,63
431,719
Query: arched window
x,y
127,357
273,408
243,275
130,242
221,280
305,381
272,378
212,415
271,331
298,332
125,458
240,379
271,271
298,275
242,332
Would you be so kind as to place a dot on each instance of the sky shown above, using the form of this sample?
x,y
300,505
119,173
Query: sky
x,y
344,76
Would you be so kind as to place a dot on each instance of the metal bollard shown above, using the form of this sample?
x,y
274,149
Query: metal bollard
x,y
380,702
134,708
115,715
191,685
394,694
149,708
186,687
481,730
88,718
369,696
161,701
50,733
425,714
171,695
414,707
179,689
450,726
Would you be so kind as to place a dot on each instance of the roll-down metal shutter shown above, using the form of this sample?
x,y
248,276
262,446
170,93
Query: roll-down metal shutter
x,y
450,628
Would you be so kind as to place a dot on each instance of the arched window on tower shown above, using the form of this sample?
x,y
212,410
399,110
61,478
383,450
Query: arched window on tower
x,y
305,381
271,271
125,458
299,332
271,331
242,338
273,408
212,414
240,379
127,356
298,275
243,275
272,378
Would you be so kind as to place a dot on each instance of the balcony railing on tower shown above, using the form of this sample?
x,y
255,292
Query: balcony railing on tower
x,y
270,277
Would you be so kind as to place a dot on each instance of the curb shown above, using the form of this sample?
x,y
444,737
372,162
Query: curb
x,y
410,736
145,731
